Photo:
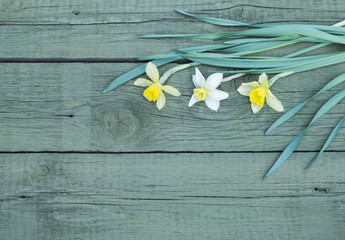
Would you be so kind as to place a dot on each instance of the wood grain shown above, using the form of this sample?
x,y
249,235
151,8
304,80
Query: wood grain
x,y
170,196
109,29
88,12
178,173
59,107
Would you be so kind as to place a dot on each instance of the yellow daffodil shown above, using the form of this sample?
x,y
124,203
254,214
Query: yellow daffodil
x,y
258,93
155,89
207,90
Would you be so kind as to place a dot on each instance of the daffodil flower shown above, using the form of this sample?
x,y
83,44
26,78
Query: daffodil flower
x,y
258,93
207,90
155,87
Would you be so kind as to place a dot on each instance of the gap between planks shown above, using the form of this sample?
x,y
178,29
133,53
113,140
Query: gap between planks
x,y
160,152
79,60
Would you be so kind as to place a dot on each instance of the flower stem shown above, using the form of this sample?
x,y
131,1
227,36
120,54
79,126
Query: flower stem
x,y
277,76
173,70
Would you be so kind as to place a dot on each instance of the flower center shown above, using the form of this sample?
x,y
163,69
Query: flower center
x,y
151,93
258,95
200,93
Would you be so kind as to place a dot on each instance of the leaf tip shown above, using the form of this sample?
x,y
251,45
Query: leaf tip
x,y
265,177
104,91
310,163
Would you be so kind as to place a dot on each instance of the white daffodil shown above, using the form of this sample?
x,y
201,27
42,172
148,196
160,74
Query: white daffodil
x,y
258,92
155,89
207,90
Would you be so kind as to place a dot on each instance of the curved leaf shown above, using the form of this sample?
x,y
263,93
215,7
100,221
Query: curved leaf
x,y
294,143
293,111
328,142
287,64
317,63
136,72
215,21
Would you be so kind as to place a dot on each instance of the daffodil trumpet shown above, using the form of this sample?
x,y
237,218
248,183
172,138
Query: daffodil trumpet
x,y
206,90
155,87
259,93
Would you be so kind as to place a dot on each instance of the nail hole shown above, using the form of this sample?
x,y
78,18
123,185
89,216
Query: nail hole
x,y
65,115
321,190
76,12
23,196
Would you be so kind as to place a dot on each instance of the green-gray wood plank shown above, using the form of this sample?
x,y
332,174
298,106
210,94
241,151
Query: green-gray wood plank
x,y
170,196
58,107
54,105
109,29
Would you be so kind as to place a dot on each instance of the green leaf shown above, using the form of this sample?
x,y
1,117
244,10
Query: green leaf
x,y
294,143
170,57
257,40
286,153
312,64
293,38
211,36
283,30
188,50
305,50
227,22
136,72
230,60
215,21
293,111
337,29
253,46
328,142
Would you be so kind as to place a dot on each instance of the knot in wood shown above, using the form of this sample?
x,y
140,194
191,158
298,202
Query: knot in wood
x,y
41,170
11,5
121,123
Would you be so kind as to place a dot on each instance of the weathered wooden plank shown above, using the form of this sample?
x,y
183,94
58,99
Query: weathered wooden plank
x,y
58,107
107,29
114,12
170,196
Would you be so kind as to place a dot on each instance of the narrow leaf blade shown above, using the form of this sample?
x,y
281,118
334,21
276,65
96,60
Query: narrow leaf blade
x,y
215,21
294,143
339,79
328,141
136,72
286,153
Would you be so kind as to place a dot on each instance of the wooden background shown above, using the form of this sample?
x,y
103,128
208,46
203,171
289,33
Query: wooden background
x,y
75,164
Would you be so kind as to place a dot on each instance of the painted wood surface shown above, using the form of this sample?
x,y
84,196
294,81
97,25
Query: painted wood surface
x,y
109,29
170,196
75,164
58,107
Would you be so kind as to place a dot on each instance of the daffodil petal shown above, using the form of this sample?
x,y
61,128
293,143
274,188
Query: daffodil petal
x,y
199,79
152,72
245,89
217,94
194,81
160,100
255,107
213,81
273,102
171,90
193,100
263,80
253,84
212,103
142,82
